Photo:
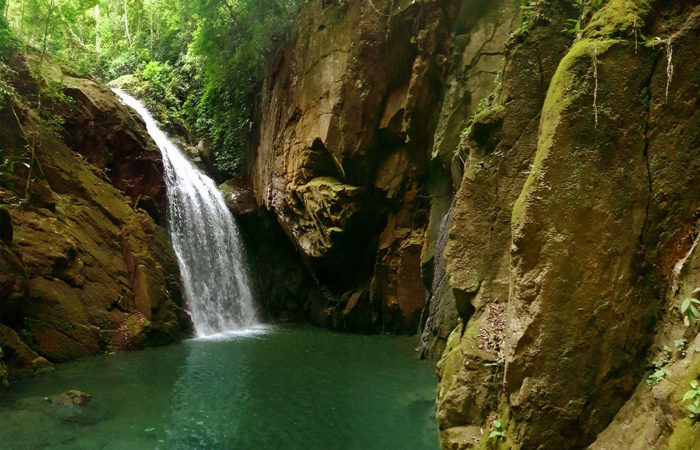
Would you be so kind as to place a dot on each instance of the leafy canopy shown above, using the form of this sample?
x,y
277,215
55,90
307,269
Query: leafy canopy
x,y
201,61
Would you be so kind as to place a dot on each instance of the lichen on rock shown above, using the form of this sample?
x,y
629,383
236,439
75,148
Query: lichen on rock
x,y
87,249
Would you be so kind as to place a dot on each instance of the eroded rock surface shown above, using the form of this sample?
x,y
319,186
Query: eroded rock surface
x,y
88,266
578,202
345,134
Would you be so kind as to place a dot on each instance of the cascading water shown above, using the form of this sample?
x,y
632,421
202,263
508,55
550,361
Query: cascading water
x,y
205,239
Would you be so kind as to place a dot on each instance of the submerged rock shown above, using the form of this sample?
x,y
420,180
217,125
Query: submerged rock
x,y
71,397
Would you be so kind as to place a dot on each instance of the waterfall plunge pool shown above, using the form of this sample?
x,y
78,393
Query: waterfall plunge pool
x,y
281,387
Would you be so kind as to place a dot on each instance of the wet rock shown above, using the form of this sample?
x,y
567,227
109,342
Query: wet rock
x,y
71,397
87,252
18,359
239,196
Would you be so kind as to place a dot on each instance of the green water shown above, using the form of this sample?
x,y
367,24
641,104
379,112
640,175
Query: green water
x,y
288,388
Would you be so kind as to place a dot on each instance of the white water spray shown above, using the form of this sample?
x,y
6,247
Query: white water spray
x,y
205,238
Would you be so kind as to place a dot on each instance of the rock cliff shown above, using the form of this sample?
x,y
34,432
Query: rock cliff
x,y
86,265
346,131
517,180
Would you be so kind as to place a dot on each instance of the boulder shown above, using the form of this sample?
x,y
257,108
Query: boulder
x,y
71,397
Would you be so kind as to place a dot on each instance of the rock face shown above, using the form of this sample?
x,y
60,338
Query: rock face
x,y
578,201
528,195
479,46
346,130
86,265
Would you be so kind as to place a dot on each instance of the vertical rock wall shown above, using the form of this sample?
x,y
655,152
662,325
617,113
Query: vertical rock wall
x,y
346,130
572,214
520,179
85,263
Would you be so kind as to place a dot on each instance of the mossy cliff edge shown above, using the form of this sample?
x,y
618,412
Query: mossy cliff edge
x,y
86,265
517,181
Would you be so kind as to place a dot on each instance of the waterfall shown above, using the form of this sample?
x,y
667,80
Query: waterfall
x,y
205,238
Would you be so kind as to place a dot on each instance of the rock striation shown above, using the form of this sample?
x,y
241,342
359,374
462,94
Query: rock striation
x,y
86,265
518,181
346,132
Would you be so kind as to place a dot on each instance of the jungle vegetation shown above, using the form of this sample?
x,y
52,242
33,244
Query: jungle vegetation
x,y
203,61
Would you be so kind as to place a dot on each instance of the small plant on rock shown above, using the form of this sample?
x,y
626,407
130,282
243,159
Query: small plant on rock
x,y
659,371
8,163
682,346
689,310
657,375
497,431
693,395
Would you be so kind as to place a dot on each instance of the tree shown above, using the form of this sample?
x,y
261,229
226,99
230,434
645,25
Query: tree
x,y
202,61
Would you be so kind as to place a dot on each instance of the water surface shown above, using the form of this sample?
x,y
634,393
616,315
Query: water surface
x,y
291,387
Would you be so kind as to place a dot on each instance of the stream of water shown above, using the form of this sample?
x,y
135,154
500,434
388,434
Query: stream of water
x,y
205,238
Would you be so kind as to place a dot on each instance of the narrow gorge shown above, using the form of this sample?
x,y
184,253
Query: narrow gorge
x,y
350,224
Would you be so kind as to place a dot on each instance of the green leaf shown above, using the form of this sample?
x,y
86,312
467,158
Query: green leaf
x,y
688,395
694,310
694,384
685,305
497,434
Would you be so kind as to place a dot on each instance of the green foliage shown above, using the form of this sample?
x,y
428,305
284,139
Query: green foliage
x,y
8,163
575,26
230,47
6,87
8,43
659,371
531,16
693,396
498,366
657,375
682,346
203,61
689,310
497,430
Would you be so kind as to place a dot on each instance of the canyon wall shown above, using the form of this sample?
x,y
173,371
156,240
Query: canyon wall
x,y
346,133
86,265
516,181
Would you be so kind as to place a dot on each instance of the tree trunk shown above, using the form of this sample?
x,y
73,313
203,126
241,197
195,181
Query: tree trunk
x,y
126,23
